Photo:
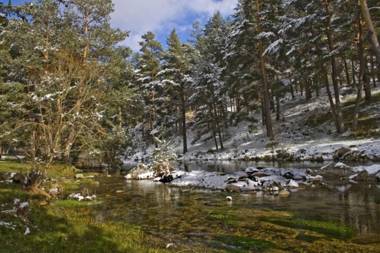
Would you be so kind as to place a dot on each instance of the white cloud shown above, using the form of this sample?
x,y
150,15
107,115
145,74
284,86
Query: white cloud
x,y
140,16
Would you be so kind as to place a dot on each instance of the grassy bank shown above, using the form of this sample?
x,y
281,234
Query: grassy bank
x,y
62,225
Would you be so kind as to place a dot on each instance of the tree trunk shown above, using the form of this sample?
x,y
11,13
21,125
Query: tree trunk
x,y
278,108
183,118
213,128
373,34
346,71
334,74
308,94
373,72
361,75
353,73
331,100
265,90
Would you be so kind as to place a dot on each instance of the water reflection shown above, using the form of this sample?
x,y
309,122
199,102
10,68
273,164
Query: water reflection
x,y
188,215
151,205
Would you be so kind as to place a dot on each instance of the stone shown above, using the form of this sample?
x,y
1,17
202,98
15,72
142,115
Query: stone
x,y
54,191
288,175
19,178
170,245
233,188
284,194
342,166
340,153
361,176
377,176
166,179
231,180
293,184
79,176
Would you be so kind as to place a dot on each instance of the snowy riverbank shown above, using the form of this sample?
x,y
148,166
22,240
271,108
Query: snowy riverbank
x,y
350,151
274,181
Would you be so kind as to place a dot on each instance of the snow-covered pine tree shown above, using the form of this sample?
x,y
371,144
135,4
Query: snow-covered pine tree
x,y
149,84
176,79
209,91
61,57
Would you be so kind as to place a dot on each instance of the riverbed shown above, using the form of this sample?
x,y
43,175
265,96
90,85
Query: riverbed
x,y
340,214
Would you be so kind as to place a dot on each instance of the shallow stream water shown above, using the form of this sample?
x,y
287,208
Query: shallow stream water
x,y
205,219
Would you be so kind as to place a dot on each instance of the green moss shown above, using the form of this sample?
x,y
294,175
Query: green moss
x,y
325,228
74,203
224,217
243,244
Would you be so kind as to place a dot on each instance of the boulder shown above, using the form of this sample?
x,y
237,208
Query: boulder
x,y
293,184
340,153
288,175
284,194
166,179
362,176
342,166
233,188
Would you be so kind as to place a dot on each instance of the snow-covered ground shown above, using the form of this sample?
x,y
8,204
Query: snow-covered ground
x,y
275,181
296,139
272,180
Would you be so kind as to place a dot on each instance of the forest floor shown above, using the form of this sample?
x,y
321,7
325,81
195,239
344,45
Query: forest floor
x,y
305,133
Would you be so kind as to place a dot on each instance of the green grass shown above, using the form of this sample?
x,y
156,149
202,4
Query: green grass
x,y
326,228
67,226
56,170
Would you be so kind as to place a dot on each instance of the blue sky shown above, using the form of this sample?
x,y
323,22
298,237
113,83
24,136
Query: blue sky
x,y
161,16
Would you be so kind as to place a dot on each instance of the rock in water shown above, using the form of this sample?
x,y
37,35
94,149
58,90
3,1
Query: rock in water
x,y
377,176
284,193
361,176
166,179
342,166
170,245
293,184
288,175
79,176
340,153
233,188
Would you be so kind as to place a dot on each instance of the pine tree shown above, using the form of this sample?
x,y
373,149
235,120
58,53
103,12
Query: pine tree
x,y
61,58
148,67
209,90
176,79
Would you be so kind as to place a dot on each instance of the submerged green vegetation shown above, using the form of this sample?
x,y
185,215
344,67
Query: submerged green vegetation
x,y
192,223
